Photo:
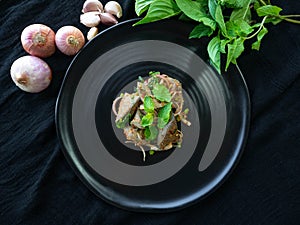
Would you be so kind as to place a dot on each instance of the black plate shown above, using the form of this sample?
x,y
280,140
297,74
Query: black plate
x,y
95,148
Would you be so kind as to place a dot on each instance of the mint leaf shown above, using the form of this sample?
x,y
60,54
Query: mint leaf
x,y
213,49
153,73
238,27
121,123
160,9
260,35
234,51
151,152
201,31
196,10
161,93
268,10
141,6
147,120
141,79
148,104
186,111
151,132
164,115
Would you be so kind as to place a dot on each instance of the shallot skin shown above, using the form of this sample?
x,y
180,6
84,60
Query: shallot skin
x,y
31,74
38,40
69,40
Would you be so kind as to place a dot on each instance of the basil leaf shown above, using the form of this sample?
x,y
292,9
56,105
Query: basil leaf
x,y
190,8
268,10
151,132
201,31
256,5
223,44
235,3
147,120
220,20
160,9
161,93
196,10
148,104
238,27
273,20
164,115
184,18
213,49
242,13
141,6
260,35
212,5
234,51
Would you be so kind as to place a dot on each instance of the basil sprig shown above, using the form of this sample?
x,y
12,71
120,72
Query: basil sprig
x,y
228,23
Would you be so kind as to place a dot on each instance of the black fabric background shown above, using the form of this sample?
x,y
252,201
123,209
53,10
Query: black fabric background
x,y
37,186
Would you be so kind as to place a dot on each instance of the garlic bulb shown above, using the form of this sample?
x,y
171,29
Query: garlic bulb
x,y
114,8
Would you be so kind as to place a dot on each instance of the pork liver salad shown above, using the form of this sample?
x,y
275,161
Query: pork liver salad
x,y
150,116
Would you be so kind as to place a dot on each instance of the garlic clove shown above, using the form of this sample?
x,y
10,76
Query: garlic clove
x,y
108,19
90,19
114,8
92,5
92,33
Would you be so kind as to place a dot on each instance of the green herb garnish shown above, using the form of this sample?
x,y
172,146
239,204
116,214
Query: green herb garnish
x,y
153,81
178,145
151,152
164,115
186,111
151,132
161,93
147,120
153,73
141,79
149,104
121,123
228,23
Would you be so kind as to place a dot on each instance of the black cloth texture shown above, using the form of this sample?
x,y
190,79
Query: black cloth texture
x,y
38,186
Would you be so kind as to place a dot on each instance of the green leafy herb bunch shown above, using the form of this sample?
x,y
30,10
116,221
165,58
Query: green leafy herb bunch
x,y
228,23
